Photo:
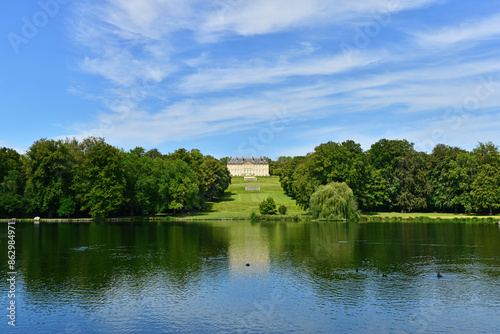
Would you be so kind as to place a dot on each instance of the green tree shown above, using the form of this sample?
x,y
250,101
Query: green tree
x,y
345,162
282,209
303,184
412,173
197,157
383,154
334,201
11,194
485,190
382,187
330,162
267,206
9,160
147,196
446,177
101,180
487,153
193,158
67,207
181,154
49,175
131,163
178,186
275,167
287,172
463,171
153,154
379,189
12,183
215,178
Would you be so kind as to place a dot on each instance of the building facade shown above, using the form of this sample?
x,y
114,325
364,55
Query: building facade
x,y
248,166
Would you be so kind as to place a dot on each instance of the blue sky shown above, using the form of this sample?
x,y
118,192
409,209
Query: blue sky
x,y
250,77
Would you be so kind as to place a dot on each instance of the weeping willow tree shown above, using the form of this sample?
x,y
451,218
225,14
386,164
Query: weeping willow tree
x,y
335,201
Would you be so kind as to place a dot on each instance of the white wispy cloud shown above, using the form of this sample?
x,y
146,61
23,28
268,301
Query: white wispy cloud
x,y
237,77
264,16
121,37
142,20
149,49
464,132
191,119
470,32
120,68
126,42
390,95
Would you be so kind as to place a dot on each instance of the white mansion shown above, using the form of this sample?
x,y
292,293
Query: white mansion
x,y
248,166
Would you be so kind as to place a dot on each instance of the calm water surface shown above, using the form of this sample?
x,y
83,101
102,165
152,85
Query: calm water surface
x,y
193,278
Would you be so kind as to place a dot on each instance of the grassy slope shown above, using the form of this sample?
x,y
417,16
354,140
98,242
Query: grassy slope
x,y
239,203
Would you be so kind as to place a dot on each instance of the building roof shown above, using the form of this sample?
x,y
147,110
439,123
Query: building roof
x,y
242,160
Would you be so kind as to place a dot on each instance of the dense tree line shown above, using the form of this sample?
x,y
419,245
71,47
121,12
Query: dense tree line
x,y
392,175
93,178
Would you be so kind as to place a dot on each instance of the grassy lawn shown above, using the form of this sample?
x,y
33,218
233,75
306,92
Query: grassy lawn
x,y
239,203
425,214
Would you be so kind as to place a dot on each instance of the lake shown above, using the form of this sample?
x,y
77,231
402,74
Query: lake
x,y
192,277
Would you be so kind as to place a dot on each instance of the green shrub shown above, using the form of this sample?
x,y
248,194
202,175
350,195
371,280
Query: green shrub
x,y
253,216
67,207
268,206
282,209
335,201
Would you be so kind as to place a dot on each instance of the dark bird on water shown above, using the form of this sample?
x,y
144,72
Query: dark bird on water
x,y
357,270
248,264
384,275
439,275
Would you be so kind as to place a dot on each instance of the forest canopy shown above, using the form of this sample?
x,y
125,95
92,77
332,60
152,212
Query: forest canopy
x,y
393,176
92,178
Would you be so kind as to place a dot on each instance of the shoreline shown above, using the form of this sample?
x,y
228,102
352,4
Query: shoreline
x,y
363,219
